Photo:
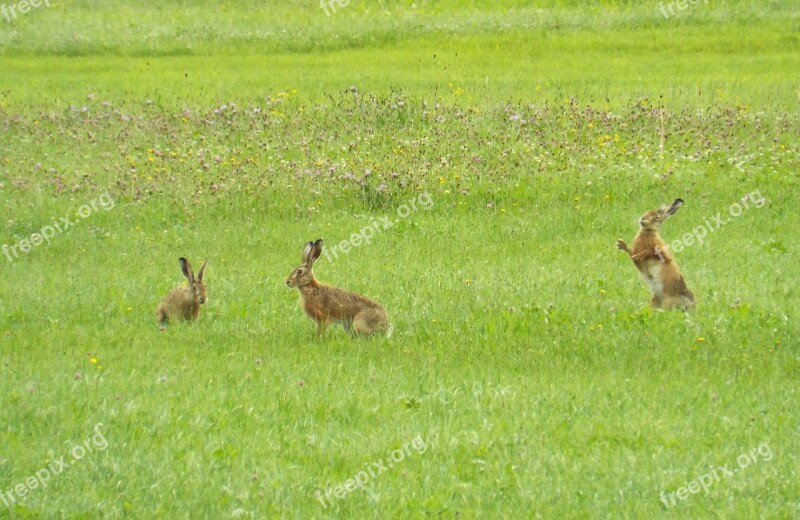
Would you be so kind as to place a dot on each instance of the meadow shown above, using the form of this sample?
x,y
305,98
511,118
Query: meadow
x,y
497,151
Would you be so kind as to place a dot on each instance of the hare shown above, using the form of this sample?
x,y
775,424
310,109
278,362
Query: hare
x,y
325,304
183,302
651,256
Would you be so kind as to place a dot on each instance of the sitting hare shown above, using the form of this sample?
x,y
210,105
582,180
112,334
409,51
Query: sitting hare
x,y
325,304
183,302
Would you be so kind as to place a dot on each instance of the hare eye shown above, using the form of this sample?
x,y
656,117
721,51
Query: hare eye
x,y
300,270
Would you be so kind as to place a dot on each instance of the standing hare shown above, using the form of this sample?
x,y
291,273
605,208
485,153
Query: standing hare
x,y
325,304
183,302
651,256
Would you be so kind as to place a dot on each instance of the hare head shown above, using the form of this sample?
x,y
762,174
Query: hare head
x,y
302,275
652,220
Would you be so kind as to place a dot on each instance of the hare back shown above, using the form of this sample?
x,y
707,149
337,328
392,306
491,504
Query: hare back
x,y
675,285
325,302
180,303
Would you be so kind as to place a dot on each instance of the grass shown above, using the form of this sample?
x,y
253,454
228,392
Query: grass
x,y
197,54
524,357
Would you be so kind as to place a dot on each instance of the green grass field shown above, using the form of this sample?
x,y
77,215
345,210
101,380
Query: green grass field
x,y
496,153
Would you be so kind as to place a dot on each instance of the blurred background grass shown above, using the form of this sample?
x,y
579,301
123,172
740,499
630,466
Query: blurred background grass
x,y
185,53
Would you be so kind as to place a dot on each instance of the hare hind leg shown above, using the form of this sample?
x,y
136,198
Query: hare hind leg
x,y
679,297
684,302
655,302
366,323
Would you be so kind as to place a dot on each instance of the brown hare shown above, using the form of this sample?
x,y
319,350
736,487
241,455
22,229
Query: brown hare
x,y
325,304
651,256
183,302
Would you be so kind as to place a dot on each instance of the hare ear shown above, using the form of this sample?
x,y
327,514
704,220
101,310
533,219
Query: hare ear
x,y
675,205
200,272
317,250
306,252
187,270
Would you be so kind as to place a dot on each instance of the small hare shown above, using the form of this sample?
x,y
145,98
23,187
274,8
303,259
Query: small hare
x,y
651,256
183,302
325,304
